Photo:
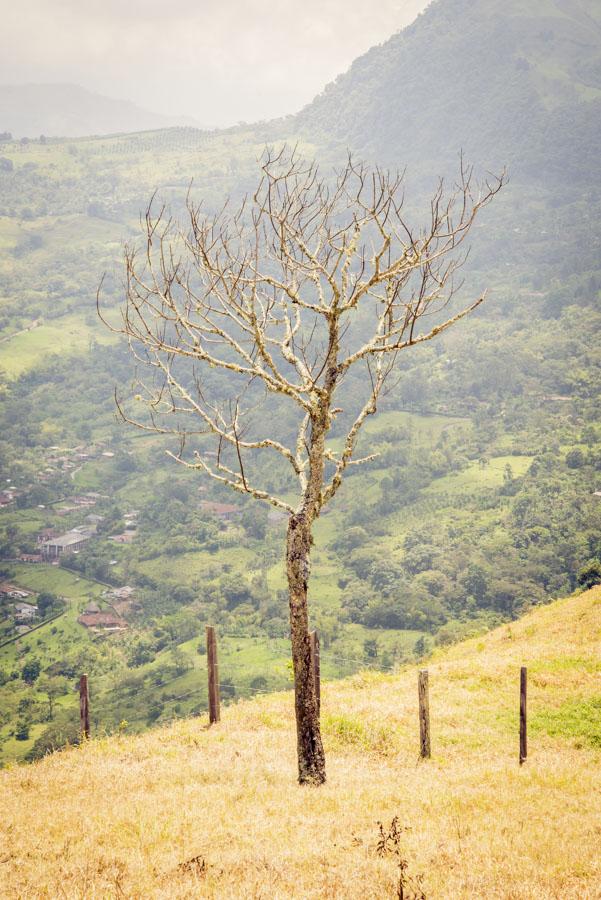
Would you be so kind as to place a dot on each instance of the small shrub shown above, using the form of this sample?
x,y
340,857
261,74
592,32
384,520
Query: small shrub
x,y
575,458
22,732
348,730
590,575
351,731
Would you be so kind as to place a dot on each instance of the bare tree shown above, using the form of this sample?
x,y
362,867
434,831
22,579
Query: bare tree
x,y
309,280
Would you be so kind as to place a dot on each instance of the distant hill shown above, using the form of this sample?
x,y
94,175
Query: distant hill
x,y
506,81
68,110
232,822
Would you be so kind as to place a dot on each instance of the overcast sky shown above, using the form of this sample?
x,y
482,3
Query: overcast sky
x,y
220,62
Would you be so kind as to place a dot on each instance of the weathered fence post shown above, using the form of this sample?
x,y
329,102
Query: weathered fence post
x,y
424,714
315,664
523,715
213,674
84,707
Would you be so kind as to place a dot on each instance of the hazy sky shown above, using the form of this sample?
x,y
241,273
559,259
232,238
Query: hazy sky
x,y
219,62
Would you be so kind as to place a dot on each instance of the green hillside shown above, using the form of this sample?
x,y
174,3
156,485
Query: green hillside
x,y
508,83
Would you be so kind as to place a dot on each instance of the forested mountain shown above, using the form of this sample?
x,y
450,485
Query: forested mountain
x,y
509,83
483,499
68,110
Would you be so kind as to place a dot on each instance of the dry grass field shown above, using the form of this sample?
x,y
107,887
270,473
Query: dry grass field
x,y
187,811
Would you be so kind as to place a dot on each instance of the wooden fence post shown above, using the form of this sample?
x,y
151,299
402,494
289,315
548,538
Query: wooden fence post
x,y
523,715
84,707
424,714
315,664
213,674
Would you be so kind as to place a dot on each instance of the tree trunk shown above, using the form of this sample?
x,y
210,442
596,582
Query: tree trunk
x,y
311,759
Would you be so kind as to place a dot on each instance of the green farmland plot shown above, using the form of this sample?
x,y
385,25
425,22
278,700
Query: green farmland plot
x,y
69,334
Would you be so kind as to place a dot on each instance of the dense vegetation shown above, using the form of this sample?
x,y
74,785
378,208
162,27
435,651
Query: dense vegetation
x,y
481,501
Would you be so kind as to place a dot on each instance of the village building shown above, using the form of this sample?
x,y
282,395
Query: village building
x,y
224,511
13,592
122,593
108,621
25,612
30,557
71,542
94,519
9,495
92,607
121,600
126,537
83,500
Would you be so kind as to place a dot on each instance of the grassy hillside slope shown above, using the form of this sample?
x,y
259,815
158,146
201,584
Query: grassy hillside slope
x,y
186,811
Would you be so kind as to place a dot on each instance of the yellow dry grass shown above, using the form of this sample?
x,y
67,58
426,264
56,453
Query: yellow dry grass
x,y
187,811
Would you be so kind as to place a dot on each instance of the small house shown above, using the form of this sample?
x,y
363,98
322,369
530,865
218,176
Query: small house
x,y
71,542
92,607
126,537
25,612
224,511
122,593
13,592
108,621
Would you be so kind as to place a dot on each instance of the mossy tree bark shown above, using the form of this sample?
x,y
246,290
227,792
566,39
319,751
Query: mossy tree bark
x,y
311,759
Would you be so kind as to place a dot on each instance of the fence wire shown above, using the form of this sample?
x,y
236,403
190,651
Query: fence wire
x,y
146,701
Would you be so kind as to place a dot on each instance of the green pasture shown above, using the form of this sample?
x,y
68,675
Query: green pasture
x,y
51,639
69,334
425,430
44,577
29,521
476,477
185,568
48,644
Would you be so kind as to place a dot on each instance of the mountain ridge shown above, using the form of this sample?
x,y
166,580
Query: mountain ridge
x,y
517,69
69,110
